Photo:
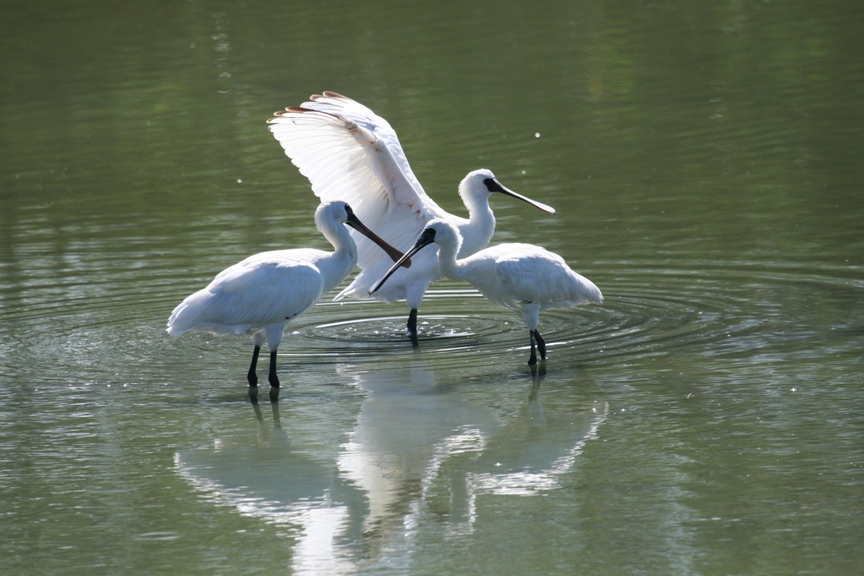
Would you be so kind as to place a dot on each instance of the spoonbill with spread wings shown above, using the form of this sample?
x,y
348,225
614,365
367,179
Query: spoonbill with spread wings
x,y
349,153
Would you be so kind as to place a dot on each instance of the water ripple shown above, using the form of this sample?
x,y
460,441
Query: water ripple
x,y
715,309
710,309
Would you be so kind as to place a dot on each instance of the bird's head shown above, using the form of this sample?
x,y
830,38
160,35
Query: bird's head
x,y
337,211
478,185
438,231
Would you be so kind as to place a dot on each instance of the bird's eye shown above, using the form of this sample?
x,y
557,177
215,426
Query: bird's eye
x,y
491,185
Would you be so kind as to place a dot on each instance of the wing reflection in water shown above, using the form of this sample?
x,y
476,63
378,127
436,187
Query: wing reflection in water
x,y
528,454
547,447
417,444
420,452
407,427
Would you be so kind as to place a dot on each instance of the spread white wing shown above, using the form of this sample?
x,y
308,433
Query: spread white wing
x,y
349,153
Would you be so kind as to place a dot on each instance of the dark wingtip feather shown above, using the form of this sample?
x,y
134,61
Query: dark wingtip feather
x,y
290,109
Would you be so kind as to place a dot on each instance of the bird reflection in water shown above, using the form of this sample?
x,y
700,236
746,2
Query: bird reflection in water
x,y
417,458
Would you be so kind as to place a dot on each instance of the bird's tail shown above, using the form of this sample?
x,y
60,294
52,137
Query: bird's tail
x,y
586,291
187,314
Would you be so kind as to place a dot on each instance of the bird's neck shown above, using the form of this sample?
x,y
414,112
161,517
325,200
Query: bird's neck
x,y
478,230
342,260
449,266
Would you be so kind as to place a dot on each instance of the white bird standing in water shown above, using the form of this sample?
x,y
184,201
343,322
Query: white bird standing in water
x,y
263,292
523,277
350,153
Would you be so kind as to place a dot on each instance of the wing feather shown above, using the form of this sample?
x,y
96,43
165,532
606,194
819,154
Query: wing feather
x,y
346,107
533,274
349,153
266,288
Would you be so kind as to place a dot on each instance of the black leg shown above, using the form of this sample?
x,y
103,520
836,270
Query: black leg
x,y
252,376
412,326
533,359
274,380
541,344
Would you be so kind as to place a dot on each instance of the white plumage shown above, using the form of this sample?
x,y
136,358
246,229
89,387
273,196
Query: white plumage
x,y
263,292
523,277
349,153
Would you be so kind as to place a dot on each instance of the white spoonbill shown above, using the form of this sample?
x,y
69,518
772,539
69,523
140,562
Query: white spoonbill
x,y
350,153
523,277
263,292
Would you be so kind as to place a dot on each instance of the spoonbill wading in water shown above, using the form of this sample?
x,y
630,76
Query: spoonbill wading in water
x,y
350,153
263,292
523,277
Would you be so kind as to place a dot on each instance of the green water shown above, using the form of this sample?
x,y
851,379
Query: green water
x,y
706,165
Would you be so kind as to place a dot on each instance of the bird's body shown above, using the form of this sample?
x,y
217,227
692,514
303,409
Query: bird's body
x,y
260,294
522,277
251,296
349,153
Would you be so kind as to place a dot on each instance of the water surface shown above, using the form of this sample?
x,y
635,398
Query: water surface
x,y
706,419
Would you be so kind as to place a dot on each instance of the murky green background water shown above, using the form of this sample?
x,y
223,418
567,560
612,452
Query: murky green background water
x,y
706,164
